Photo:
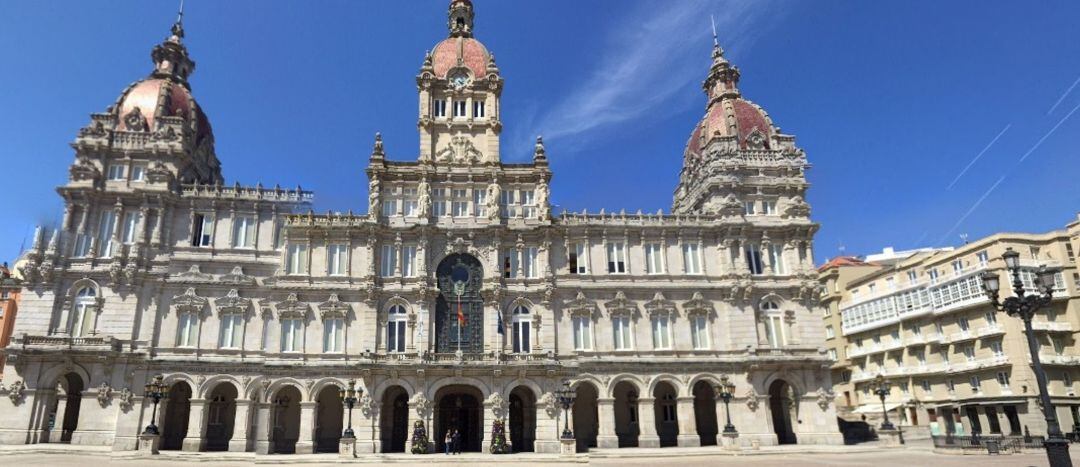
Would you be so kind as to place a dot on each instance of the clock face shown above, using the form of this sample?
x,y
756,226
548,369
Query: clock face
x,y
459,79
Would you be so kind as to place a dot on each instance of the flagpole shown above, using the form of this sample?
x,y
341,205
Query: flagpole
x,y
459,323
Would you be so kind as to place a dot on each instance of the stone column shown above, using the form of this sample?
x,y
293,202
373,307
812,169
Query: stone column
x,y
688,435
241,422
57,430
262,428
721,419
606,437
410,344
647,423
305,444
193,441
548,427
536,322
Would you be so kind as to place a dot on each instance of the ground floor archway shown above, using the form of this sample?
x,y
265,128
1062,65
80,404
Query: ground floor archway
x,y
328,419
665,410
626,414
781,405
459,407
394,419
705,417
285,420
586,416
522,420
174,416
64,413
220,417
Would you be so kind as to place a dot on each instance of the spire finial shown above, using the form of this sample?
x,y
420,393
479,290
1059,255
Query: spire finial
x,y
715,41
461,18
178,26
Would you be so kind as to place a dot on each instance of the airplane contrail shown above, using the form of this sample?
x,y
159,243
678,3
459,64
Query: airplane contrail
x,y
1047,135
962,172
1062,98
971,210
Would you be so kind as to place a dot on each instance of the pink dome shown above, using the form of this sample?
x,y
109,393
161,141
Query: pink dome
x,y
175,101
465,50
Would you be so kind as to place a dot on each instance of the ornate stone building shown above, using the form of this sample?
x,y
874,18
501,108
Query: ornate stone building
x,y
457,300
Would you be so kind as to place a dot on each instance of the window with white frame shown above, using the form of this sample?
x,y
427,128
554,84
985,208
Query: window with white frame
x,y
1003,380
478,109
964,324
654,261
933,275
995,347
748,208
976,384
991,318
833,355
620,326
925,386
529,258
459,109
520,324
292,334
187,332
232,329
661,332
983,258
582,333
409,202
439,109
459,202
408,261
776,259
131,226
202,230
333,335
768,207
528,203
243,232
508,204
890,283
969,352
699,331
871,288
958,267
86,304
912,277
296,261
106,227
387,261
616,258
753,259
390,201
138,172
439,200
774,324
829,332
479,202
337,257
510,263
691,258
116,172
578,259
396,321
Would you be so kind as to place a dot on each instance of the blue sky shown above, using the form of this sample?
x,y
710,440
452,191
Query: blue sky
x,y
896,103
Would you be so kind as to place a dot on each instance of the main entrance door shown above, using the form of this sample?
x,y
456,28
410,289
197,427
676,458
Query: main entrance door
x,y
460,277
458,407
781,404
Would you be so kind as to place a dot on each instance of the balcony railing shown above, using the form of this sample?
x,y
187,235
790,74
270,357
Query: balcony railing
x,y
1051,326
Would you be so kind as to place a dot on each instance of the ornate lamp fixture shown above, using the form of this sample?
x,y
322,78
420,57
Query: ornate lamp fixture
x,y
155,390
726,391
566,397
349,396
882,392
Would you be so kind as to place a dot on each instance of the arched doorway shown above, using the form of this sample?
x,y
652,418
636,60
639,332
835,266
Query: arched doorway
x,y
64,413
451,334
705,413
586,416
285,420
328,423
781,404
626,414
522,419
666,413
394,420
221,417
459,407
174,416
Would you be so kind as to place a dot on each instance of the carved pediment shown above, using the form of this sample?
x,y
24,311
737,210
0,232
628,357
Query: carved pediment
x,y
237,276
232,303
660,305
697,305
291,307
193,274
189,302
620,305
460,151
83,169
580,306
333,308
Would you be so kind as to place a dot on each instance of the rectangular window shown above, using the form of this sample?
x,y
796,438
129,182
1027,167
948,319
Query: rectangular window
x,y
408,261
440,108
912,277
890,283
871,288
964,325
529,258
1059,346
395,336
661,333
478,109
692,258
116,172
904,388
976,385
654,263
958,267
983,258
699,332
833,355
774,331
409,202
389,207
459,109
296,259
138,172
753,259
995,346
337,257
776,258
459,204
82,246
829,332
748,208
105,233
232,328
969,353
202,230
292,334
582,333
950,385
333,335
479,202
616,257
925,385
577,260
521,336
933,275
507,203
510,264
131,224
188,331
1069,252
768,207
244,232
620,326
1003,379
527,198
387,261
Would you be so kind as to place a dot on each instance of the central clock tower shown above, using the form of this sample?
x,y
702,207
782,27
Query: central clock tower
x,y
460,87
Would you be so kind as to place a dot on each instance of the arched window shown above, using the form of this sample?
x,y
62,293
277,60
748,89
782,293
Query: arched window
x,y
82,321
396,320
774,323
520,320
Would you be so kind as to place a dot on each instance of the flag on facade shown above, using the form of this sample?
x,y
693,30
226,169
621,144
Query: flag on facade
x,y
500,328
460,314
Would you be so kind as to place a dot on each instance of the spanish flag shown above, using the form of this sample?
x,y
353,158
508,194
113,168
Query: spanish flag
x,y
460,314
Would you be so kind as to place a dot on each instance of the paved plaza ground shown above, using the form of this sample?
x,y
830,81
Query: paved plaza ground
x,y
836,456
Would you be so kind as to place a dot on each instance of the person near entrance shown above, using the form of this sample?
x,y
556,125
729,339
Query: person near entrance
x,y
448,441
456,441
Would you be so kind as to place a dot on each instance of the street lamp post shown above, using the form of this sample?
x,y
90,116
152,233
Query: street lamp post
x,y
1024,306
566,396
726,390
349,397
156,390
882,392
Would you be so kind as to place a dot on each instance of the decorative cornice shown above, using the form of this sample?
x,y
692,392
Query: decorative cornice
x,y
232,303
333,308
291,307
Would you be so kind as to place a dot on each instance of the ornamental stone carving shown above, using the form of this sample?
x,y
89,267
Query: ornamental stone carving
x,y
421,404
189,302
551,406
15,392
193,274
620,305
237,276
367,405
752,400
126,398
460,151
104,394
135,121
825,398
291,307
232,302
498,404
697,305
581,306
660,305
424,199
333,308
492,201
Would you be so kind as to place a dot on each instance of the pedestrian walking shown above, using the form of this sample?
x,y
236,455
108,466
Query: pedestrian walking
x,y
448,441
457,441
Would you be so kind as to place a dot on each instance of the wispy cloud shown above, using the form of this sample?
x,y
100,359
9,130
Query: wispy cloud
x,y
1047,135
971,210
988,146
652,55
1062,98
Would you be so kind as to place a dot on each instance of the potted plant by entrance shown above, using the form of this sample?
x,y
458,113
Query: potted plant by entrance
x,y
420,443
498,438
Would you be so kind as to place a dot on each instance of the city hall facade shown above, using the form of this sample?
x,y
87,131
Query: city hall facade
x,y
458,299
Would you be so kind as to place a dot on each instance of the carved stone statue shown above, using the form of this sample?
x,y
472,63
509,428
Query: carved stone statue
x,y
542,201
424,200
373,197
493,193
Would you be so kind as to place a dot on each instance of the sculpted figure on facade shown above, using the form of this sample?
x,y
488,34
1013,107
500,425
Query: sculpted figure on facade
x,y
492,200
423,199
